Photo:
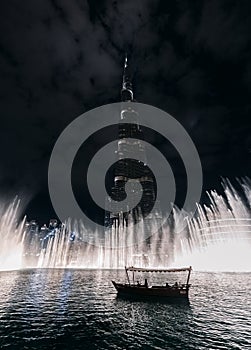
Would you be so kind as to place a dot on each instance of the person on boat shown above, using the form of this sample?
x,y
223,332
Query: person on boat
x,y
167,285
138,284
176,284
146,283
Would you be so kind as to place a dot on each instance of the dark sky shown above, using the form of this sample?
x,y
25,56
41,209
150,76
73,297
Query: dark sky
x,y
59,59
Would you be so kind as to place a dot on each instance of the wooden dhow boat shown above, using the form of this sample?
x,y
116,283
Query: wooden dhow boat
x,y
132,289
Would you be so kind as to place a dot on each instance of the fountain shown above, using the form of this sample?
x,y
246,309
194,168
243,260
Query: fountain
x,y
12,236
218,237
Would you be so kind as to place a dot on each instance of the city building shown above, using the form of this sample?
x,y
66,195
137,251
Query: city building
x,y
127,168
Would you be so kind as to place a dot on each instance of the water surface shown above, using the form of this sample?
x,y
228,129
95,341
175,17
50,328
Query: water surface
x,y
78,309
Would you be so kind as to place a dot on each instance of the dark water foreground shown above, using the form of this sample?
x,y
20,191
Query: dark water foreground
x,y
78,309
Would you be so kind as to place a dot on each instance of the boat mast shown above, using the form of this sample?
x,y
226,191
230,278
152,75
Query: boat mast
x,y
127,276
189,273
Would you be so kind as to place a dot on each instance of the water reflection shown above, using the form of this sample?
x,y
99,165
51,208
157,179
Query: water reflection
x,y
7,282
78,309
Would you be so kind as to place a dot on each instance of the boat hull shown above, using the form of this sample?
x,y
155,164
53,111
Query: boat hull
x,y
150,292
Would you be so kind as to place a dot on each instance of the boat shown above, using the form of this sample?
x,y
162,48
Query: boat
x,y
132,289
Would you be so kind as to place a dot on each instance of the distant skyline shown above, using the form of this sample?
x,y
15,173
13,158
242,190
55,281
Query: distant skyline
x,y
60,59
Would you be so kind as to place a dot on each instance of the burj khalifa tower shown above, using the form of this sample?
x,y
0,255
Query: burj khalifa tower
x,y
128,169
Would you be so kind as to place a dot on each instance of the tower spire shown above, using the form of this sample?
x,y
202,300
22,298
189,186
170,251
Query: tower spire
x,y
126,91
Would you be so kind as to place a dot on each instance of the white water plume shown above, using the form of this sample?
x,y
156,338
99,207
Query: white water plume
x,y
11,237
218,238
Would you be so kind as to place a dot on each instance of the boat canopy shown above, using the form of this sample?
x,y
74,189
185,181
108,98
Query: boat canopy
x,y
140,269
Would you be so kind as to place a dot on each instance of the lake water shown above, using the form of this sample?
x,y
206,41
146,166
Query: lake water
x,y
78,309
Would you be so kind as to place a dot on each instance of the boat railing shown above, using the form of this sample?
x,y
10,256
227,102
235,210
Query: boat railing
x,y
175,286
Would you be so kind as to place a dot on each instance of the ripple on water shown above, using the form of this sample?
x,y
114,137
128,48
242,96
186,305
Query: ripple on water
x,y
69,308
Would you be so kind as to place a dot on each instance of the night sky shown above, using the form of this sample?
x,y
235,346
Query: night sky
x,y
59,59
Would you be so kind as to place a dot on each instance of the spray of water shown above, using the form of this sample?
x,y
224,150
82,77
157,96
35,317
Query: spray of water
x,y
217,238
11,236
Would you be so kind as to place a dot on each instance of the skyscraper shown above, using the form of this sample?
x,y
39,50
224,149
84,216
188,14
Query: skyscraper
x,y
127,168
